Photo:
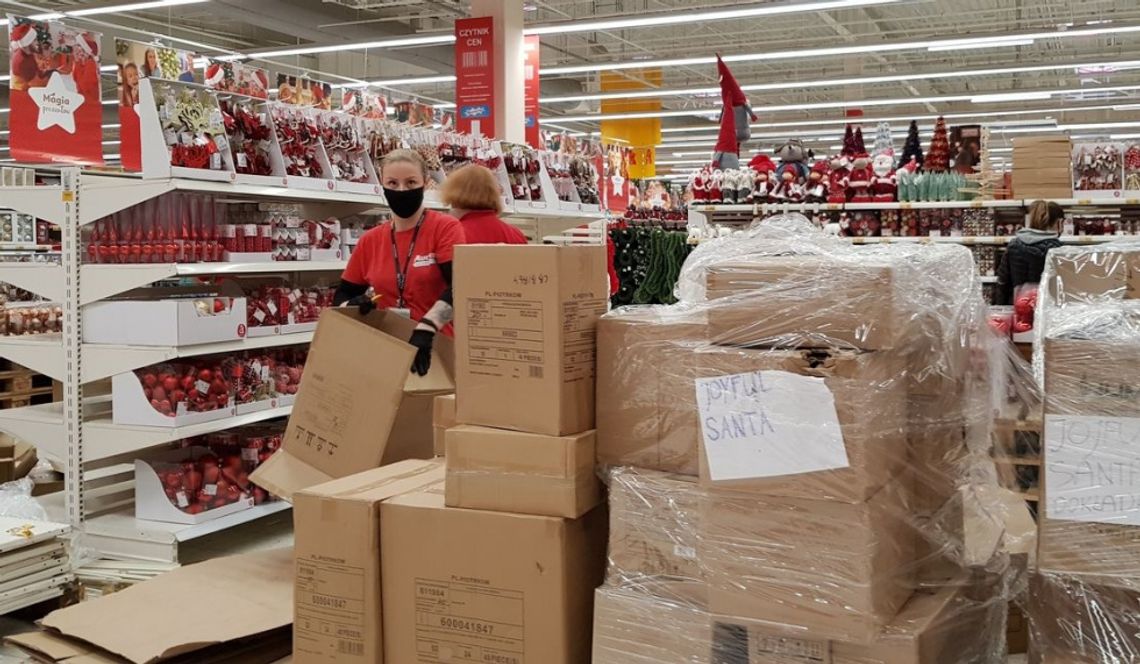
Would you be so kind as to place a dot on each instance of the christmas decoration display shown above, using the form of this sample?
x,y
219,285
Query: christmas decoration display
x,y
735,115
938,154
792,172
300,91
839,173
299,139
883,181
1097,167
274,305
647,260
344,144
1132,167
29,318
176,228
884,139
250,136
136,61
585,176
817,185
912,156
523,169
763,179
859,223
56,112
192,126
367,105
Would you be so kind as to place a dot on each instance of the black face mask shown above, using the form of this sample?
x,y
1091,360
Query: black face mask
x,y
404,203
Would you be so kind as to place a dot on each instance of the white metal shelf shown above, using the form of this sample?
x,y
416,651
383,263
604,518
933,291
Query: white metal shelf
x,y
42,353
41,425
105,360
103,439
100,281
43,202
43,279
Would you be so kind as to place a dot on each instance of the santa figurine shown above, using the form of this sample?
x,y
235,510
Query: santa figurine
x,y
837,178
714,185
883,182
859,181
816,189
735,115
697,186
764,179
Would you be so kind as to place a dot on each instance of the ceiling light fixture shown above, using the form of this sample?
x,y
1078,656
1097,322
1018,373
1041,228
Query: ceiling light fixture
x,y
997,43
398,42
1010,96
677,18
109,9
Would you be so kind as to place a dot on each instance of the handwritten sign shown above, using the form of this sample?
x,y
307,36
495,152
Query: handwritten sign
x,y
768,423
1092,468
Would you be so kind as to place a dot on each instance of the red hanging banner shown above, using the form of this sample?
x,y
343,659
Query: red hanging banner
x,y
531,61
56,107
475,76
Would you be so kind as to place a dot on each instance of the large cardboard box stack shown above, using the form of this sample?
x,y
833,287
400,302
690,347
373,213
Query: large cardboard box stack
x,y
785,397
1042,167
499,564
1087,581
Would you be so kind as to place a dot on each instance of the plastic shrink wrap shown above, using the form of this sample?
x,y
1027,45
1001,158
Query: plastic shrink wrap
x,y
1084,603
798,460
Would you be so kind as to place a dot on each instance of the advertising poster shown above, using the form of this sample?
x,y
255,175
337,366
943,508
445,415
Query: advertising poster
x,y
363,104
56,107
136,61
237,78
301,91
475,76
531,91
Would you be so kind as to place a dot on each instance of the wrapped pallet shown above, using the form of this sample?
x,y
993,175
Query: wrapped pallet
x,y
798,459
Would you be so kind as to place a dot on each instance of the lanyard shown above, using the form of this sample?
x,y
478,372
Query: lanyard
x,y
402,275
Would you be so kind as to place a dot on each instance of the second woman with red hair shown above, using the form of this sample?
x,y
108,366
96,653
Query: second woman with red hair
x,y
476,199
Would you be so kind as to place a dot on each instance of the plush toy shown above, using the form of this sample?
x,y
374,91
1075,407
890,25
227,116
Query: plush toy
x,y
744,179
728,187
792,174
837,177
697,187
883,182
859,181
715,186
735,115
763,183
816,189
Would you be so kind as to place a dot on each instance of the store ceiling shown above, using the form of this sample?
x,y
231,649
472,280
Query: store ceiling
x,y
918,80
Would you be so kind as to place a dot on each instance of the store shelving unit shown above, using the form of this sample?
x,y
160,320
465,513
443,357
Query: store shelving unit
x,y
77,433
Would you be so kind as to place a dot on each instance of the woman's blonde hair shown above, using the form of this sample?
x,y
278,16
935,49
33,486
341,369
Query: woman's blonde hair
x,y
406,156
1045,215
472,187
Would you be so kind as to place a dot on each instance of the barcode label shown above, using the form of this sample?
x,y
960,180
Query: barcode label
x,y
475,59
354,648
535,371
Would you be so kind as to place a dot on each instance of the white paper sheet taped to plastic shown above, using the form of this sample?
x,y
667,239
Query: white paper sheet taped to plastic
x,y
768,423
1092,468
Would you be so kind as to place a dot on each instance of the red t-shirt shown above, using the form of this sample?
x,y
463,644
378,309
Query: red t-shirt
x,y
485,227
371,262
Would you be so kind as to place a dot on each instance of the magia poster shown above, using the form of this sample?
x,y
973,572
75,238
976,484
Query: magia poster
x,y
56,107
136,61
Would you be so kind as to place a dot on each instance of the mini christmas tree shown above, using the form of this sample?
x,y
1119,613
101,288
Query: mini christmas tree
x,y
938,155
860,147
883,139
912,149
848,142
987,183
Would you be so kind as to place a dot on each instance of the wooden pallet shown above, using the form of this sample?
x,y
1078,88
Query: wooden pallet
x,y
23,387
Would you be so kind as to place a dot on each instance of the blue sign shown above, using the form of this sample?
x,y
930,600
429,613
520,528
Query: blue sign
x,y
476,111
529,121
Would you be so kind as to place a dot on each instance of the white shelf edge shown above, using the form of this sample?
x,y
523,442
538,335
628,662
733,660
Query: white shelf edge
x,y
104,439
105,360
103,280
45,202
42,353
44,279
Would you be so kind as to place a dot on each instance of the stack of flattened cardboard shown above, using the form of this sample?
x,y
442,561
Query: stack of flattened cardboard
x,y
1085,590
770,441
1042,167
500,565
35,562
232,609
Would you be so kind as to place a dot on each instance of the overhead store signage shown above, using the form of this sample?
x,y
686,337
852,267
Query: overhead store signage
x,y
56,108
531,62
475,76
136,61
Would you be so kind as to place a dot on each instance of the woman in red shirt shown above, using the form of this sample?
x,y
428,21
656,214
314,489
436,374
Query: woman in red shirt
x,y
406,261
476,200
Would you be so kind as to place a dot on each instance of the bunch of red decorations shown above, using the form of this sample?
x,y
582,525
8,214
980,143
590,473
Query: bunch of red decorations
x,y
175,228
215,472
299,138
186,386
269,306
249,134
264,375
1024,306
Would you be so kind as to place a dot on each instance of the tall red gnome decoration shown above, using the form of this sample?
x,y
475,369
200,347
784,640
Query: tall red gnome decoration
x,y
735,114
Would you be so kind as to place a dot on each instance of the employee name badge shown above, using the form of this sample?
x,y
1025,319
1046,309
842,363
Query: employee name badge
x,y
401,311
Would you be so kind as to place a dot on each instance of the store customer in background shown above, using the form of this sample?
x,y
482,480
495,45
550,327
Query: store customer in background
x,y
407,259
1024,258
476,199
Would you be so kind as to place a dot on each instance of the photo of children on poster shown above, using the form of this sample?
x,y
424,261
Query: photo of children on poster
x,y
136,61
237,78
56,108
299,91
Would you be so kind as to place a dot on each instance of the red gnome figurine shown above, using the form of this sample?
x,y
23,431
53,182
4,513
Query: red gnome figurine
x,y
735,114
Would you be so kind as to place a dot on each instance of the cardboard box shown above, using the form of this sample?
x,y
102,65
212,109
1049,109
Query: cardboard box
x,y
336,597
631,628
937,627
140,318
654,536
355,389
526,473
1078,619
1088,491
269,648
188,609
793,301
1095,275
869,394
442,419
525,319
839,571
492,586
637,351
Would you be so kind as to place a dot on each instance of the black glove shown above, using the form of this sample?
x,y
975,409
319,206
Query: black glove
x,y
422,340
363,302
